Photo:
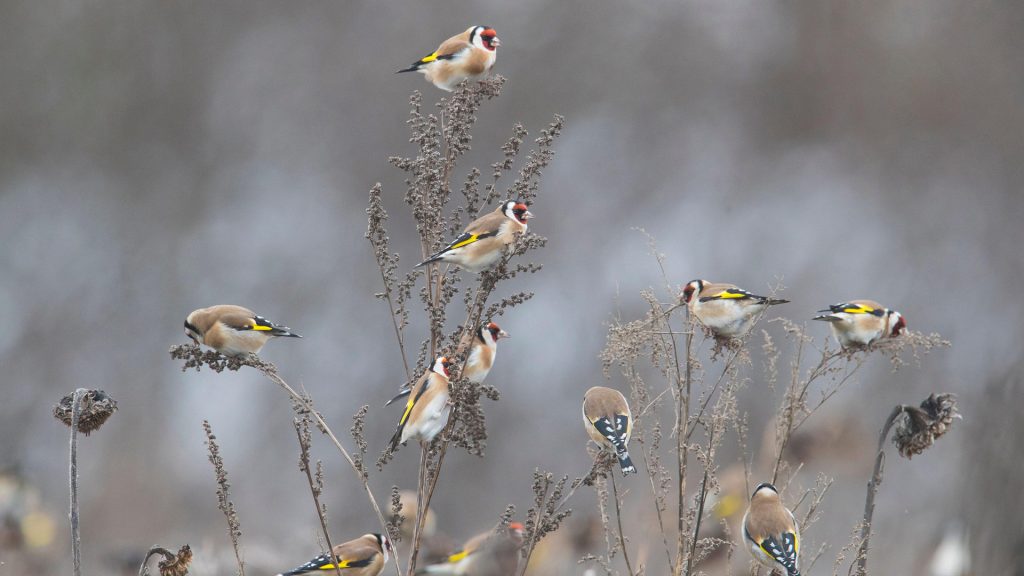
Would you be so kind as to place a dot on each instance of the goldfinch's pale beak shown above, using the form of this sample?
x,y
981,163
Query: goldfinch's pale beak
x,y
527,215
503,334
495,42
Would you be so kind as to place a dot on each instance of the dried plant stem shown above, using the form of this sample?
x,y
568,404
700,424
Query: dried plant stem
x,y
304,459
700,509
167,554
869,501
421,512
618,519
268,370
682,417
394,323
76,537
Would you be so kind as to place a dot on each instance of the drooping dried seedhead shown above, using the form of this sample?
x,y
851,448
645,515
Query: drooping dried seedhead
x,y
96,407
178,566
918,428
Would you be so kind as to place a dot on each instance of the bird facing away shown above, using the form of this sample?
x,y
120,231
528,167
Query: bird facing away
x,y
232,330
487,554
426,412
725,309
469,55
483,242
483,349
364,556
861,322
609,423
771,532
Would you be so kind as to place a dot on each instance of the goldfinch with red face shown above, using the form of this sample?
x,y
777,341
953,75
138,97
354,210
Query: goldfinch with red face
x,y
364,556
609,423
771,532
861,322
483,348
426,412
487,554
469,55
725,309
232,330
483,242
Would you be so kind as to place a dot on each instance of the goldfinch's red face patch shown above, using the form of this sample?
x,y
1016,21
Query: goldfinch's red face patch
x,y
490,39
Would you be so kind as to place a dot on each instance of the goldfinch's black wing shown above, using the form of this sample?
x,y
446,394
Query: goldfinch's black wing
x,y
783,550
615,432
731,294
851,308
465,239
397,438
447,51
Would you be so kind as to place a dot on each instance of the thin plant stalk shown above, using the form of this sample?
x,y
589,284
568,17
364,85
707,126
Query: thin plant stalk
x,y
869,501
618,519
76,537
304,455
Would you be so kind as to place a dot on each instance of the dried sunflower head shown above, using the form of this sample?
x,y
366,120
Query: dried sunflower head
x,y
96,407
179,565
918,428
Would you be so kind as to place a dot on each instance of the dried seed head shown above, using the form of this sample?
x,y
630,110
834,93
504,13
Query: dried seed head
x,y
179,565
918,428
95,408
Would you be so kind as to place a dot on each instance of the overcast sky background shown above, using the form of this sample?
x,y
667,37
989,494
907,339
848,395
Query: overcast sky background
x,y
157,157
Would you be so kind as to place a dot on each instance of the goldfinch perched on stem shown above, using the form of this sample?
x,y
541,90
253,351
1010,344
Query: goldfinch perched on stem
x,y
469,55
426,412
770,531
364,556
232,330
609,423
483,348
861,322
487,554
482,243
725,309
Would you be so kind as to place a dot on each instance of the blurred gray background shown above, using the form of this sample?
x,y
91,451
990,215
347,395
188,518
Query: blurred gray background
x,y
157,157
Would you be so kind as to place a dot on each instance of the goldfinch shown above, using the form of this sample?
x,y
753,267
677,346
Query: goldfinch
x,y
861,322
725,309
483,348
232,330
426,412
770,531
364,556
487,554
484,240
609,423
469,55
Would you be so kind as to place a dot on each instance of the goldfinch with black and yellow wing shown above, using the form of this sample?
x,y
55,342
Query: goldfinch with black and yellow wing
x,y
725,309
861,322
469,55
232,330
609,422
483,349
426,412
488,554
771,532
483,242
364,556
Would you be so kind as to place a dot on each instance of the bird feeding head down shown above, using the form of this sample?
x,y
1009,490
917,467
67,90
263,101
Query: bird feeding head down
x,y
518,211
485,37
190,329
385,545
495,331
898,323
692,288
764,486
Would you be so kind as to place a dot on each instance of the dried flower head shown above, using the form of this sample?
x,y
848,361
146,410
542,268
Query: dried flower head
x,y
178,566
918,428
96,407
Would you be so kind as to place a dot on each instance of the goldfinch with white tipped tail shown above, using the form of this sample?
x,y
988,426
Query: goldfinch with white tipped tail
x,y
483,242
483,349
725,309
232,330
469,55
426,412
364,556
861,322
487,554
609,423
770,531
